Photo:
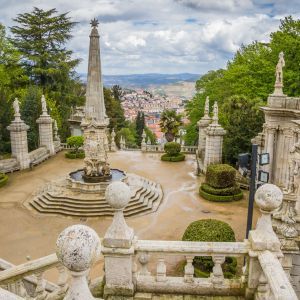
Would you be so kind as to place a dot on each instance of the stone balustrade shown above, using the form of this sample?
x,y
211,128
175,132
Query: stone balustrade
x,y
134,266
13,279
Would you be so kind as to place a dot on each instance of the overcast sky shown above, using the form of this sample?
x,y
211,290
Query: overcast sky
x,y
164,36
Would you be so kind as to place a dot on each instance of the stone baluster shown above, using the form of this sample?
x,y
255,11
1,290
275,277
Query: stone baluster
x,y
217,276
113,146
263,289
40,286
143,260
62,279
161,270
20,289
189,269
78,246
118,245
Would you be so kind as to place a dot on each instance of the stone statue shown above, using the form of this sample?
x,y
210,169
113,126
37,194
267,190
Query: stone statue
x,y
16,107
206,108
44,105
279,66
106,169
215,113
294,170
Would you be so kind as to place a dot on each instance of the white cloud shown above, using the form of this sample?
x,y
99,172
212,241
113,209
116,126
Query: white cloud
x,y
168,36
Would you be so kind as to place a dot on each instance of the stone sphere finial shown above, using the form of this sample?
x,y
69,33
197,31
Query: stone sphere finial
x,y
268,197
77,247
118,195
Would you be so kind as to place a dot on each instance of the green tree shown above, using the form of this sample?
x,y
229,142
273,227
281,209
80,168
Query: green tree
x,y
242,119
170,123
114,111
117,92
150,136
30,111
139,127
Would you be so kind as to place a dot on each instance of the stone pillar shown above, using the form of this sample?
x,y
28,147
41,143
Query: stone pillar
x,y
268,198
45,129
144,144
118,247
202,125
113,146
18,137
77,248
270,143
122,143
214,141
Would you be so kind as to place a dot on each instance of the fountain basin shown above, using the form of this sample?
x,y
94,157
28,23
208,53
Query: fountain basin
x,y
76,182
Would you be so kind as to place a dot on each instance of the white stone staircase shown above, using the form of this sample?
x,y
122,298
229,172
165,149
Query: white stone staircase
x,y
146,197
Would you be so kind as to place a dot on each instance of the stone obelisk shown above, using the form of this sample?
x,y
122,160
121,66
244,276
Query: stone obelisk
x,y
95,122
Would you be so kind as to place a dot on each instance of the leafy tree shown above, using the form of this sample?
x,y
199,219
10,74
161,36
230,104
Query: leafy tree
x,y
114,111
40,36
128,133
117,92
150,136
242,119
170,123
30,111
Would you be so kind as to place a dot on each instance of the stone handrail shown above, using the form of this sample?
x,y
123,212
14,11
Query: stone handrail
x,y
187,284
13,277
193,248
280,286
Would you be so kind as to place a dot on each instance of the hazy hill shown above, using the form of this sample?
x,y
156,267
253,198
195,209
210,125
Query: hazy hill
x,y
145,80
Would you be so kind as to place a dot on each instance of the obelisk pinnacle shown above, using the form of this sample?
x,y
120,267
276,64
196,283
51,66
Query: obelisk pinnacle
x,y
94,106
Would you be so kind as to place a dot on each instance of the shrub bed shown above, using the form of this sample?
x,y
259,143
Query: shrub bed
x,y
220,198
228,191
73,155
174,158
210,230
3,179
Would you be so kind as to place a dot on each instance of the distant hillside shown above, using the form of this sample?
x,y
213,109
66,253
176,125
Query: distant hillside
x,y
145,80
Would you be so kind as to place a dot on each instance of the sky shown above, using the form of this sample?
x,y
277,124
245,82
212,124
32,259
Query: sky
x,y
163,36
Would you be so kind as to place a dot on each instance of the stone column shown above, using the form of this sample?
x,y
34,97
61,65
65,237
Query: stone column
x,y
214,141
45,129
118,247
202,125
270,140
18,137
144,144
113,146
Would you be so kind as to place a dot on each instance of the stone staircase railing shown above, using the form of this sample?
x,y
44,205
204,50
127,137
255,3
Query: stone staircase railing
x,y
26,280
128,260
161,283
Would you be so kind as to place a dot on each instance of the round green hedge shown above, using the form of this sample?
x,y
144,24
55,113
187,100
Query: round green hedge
x,y
211,230
231,190
174,158
172,148
73,155
220,175
3,179
220,198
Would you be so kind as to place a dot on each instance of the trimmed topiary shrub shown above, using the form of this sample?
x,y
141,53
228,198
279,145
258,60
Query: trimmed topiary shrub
x,y
73,155
172,148
174,158
220,185
210,230
3,179
220,198
220,175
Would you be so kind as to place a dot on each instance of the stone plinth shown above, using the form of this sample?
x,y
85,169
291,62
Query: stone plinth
x,y
46,132
214,144
19,146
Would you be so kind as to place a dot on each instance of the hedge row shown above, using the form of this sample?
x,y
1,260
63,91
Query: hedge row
x,y
178,157
172,148
228,191
73,155
3,179
219,198
220,175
